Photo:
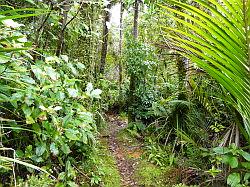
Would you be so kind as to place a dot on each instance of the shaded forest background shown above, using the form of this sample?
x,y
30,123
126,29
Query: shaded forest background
x,y
177,71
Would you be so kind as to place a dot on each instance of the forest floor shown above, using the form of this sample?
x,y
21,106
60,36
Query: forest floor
x,y
125,153
123,160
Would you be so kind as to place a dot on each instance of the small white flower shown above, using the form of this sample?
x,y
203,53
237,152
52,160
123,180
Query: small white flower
x,y
65,58
72,92
52,59
96,93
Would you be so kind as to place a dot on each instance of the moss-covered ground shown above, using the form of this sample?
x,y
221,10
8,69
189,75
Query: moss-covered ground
x,y
107,165
145,173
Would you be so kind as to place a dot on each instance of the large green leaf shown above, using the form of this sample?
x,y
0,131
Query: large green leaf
x,y
216,36
231,160
17,16
233,179
246,155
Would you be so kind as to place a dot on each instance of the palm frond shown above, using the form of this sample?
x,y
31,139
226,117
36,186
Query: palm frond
x,y
217,38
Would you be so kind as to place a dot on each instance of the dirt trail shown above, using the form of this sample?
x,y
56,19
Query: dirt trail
x,y
120,151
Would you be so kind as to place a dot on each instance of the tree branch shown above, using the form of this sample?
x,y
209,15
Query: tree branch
x,y
73,16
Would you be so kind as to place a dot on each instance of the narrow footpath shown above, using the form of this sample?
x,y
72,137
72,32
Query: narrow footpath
x,y
124,153
126,160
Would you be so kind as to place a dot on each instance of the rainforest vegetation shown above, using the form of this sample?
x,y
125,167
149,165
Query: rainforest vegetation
x,y
117,93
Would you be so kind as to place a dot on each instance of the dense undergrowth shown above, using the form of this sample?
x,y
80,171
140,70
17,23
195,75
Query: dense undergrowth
x,y
181,78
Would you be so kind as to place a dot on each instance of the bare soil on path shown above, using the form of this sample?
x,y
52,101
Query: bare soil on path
x,y
122,152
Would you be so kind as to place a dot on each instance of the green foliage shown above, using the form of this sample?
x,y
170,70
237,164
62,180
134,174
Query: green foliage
x,y
148,174
33,181
141,64
50,115
138,57
113,98
179,118
193,157
107,165
50,112
237,159
135,129
225,46
159,155
45,106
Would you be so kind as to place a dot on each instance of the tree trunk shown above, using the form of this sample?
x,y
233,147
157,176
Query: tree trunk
x,y
105,38
65,10
136,16
133,78
181,76
120,45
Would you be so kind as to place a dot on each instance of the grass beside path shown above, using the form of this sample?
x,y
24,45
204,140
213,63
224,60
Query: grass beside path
x,y
144,174
107,165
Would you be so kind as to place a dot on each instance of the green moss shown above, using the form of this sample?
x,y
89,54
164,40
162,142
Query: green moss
x,y
123,116
149,175
123,136
107,165
39,180
126,138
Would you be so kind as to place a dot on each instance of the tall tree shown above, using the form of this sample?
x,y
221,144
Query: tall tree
x,y
136,17
120,43
63,21
180,62
133,78
105,36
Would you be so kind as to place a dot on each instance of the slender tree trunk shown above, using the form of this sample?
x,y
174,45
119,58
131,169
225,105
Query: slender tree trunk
x,y
65,10
40,29
181,76
120,45
105,38
39,32
136,16
133,78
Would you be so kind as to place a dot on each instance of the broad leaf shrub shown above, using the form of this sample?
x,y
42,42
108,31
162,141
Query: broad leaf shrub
x,y
236,159
141,63
45,111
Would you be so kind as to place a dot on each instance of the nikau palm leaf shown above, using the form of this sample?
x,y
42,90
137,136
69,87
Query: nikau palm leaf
x,y
216,36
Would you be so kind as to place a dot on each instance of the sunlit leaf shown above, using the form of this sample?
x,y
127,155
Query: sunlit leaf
x,y
72,92
89,88
11,23
65,148
54,149
233,179
40,149
231,160
4,59
72,134
57,108
96,93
